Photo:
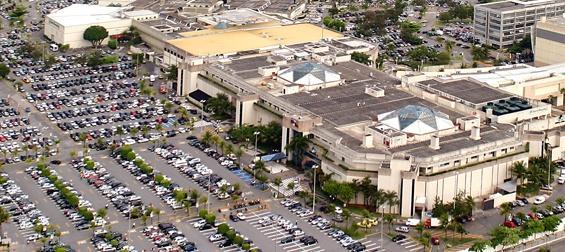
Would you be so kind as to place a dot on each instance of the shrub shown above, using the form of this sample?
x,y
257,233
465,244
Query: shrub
x,y
238,240
113,44
246,246
223,228
202,214
230,234
210,218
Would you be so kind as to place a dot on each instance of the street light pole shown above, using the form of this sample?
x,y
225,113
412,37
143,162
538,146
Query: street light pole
x,y
208,200
382,224
256,133
314,167
202,114
548,163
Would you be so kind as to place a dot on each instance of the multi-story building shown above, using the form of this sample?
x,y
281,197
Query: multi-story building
x,y
501,23
549,41
422,137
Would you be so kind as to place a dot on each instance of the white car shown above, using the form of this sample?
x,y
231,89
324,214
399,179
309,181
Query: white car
x,y
403,229
338,210
241,216
215,237
539,200
199,223
561,180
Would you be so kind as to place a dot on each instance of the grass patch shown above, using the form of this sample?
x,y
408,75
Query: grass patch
x,y
355,232
360,211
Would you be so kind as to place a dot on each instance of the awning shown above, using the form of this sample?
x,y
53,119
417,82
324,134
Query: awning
x,y
508,187
199,95
273,157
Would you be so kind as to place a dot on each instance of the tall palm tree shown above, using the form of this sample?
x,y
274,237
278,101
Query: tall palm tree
x,y
298,145
222,146
277,182
519,170
216,140
505,210
449,46
355,185
562,91
207,137
238,152
290,186
391,198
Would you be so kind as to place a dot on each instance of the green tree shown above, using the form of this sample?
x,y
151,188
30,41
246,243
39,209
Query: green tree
x,y
505,210
113,44
550,223
277,182
4,71
298,145
519,170
479,53
95,34
360,57
504,236
172,73
221,106
420,228
480,246
444,222
389,218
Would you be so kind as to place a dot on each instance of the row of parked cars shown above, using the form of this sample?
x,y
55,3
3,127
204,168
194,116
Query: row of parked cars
x,y
79,220
106,241
22,211
115,191
168,237
195,170
148,178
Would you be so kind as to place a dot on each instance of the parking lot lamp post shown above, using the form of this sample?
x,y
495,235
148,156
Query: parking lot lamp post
x,y
129,220
382,224
314,167
208,200
256,133
548,163
202,113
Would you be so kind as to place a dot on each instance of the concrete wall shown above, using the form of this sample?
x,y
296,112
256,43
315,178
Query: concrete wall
x,y
155,39
72,35
477,181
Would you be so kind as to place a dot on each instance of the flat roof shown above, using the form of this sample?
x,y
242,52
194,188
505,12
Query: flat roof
x,y
349,104
217,41
466,90
516,4
81,14
458,141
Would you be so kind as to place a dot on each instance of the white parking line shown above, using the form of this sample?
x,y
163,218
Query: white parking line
x,y
411,246
310,249
415,249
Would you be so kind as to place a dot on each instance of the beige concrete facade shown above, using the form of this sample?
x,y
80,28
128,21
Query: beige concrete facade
x,y
549,45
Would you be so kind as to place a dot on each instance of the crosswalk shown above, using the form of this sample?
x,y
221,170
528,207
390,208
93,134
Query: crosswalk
x,y
411,245
277,233
284,186
208,232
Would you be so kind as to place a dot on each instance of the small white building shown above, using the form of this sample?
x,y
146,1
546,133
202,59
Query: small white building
x,y
67,25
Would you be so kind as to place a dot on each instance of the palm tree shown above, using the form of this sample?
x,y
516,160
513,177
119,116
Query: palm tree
x,y
194,195
228,149
505,210
216,140
222,146
298,145
391,198
534,209
4,217
157,212
207,137
444,222
355,185
238,152
427,237
290,186
420,228
203,200
449,46
73,154
346,215
519,170
562,91
389,218
277,182
57,143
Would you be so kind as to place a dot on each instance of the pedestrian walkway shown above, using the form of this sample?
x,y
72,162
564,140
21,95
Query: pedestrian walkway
x,y
284,186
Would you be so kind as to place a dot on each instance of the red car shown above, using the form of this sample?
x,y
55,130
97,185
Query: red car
x,y
435,240
510,224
